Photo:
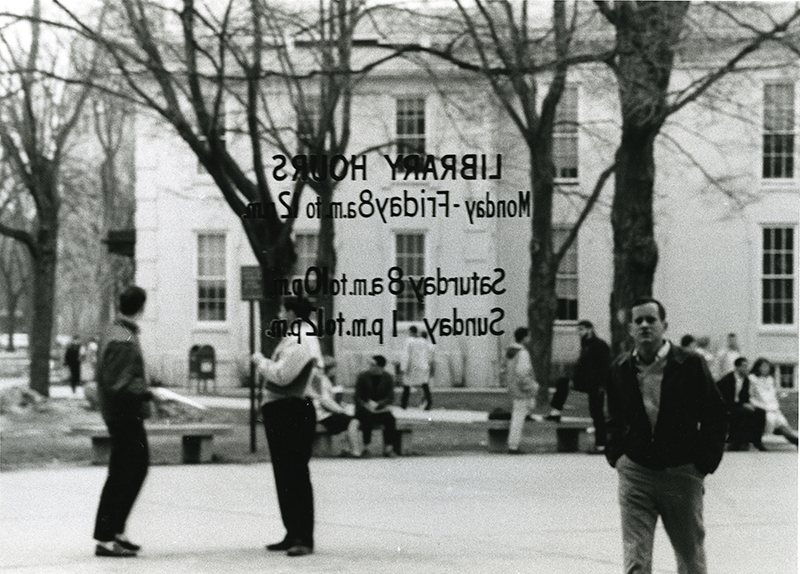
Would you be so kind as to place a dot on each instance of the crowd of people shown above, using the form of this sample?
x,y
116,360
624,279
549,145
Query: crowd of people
x,y
660,418
750,393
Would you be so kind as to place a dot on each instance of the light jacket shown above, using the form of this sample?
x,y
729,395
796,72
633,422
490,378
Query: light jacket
x,y
519,372
290,359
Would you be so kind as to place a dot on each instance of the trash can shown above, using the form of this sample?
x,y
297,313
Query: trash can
x,y
202,368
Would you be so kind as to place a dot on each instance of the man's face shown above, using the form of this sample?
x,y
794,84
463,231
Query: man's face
x,y
374,368
584,332
743,368
647,328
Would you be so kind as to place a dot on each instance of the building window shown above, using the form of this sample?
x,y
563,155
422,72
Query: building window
x,y
565,135
566,277
410,126
211,288
410,258
785,373
777,276
308,117
778,150
305,246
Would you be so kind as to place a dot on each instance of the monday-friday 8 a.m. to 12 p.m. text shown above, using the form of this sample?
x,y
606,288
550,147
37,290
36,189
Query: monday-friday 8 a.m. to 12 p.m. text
x,y
415,203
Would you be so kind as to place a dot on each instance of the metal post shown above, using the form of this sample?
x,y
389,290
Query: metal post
x,y
252,379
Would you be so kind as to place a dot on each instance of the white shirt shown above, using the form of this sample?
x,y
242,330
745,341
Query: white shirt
x,y
288,359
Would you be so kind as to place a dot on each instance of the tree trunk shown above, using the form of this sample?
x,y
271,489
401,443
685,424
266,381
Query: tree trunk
x,y
542,303
13,303
635,249
646,36
326,259
276,262
44,289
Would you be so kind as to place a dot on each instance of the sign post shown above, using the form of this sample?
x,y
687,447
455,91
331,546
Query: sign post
x,y
252,292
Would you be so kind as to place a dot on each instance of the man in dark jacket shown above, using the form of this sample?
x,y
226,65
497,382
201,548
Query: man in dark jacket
x,y
591,377
746,422
124,398
373,395
666,431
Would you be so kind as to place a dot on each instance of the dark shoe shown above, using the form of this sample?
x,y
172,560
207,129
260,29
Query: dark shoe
x,y
598,450
282,545
389,453
553,418
299,550
127,544
515,451
113,550
760,446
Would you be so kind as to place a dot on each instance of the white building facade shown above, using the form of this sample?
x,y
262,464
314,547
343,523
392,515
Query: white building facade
x,y
727,214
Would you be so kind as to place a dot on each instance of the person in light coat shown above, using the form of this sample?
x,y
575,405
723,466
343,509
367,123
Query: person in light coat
x,y
522,387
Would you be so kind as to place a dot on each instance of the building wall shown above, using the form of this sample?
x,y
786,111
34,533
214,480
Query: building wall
x,y
709,236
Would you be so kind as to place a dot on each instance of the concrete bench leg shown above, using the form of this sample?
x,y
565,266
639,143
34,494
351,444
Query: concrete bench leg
x,y
568,439
197,449
398,441
498,440
101,450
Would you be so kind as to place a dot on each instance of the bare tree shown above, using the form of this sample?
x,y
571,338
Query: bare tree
x,y
16,278
37,117
499,41
186,64
112,121
320,97
648,36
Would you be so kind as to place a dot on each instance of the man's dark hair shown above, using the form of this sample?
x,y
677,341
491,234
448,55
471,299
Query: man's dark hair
x,y
413,329
686,340
131,300
739,361
586,324
662,312
380,360
300,306
520,334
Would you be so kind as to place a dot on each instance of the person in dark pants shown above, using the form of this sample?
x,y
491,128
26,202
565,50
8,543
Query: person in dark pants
x,y
746,421
590,376
72,359
290,423
373,394
666,432
124,398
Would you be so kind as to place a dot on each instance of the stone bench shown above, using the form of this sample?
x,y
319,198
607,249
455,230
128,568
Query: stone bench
x,y
323,440
568,432
196,439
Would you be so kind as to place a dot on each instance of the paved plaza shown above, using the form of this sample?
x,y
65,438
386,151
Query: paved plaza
x,y
474,513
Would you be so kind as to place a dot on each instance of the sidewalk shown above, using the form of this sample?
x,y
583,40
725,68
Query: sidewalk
x,y
536,514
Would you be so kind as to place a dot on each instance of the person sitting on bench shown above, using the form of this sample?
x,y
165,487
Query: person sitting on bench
x,y
745,420
373,395
332,415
